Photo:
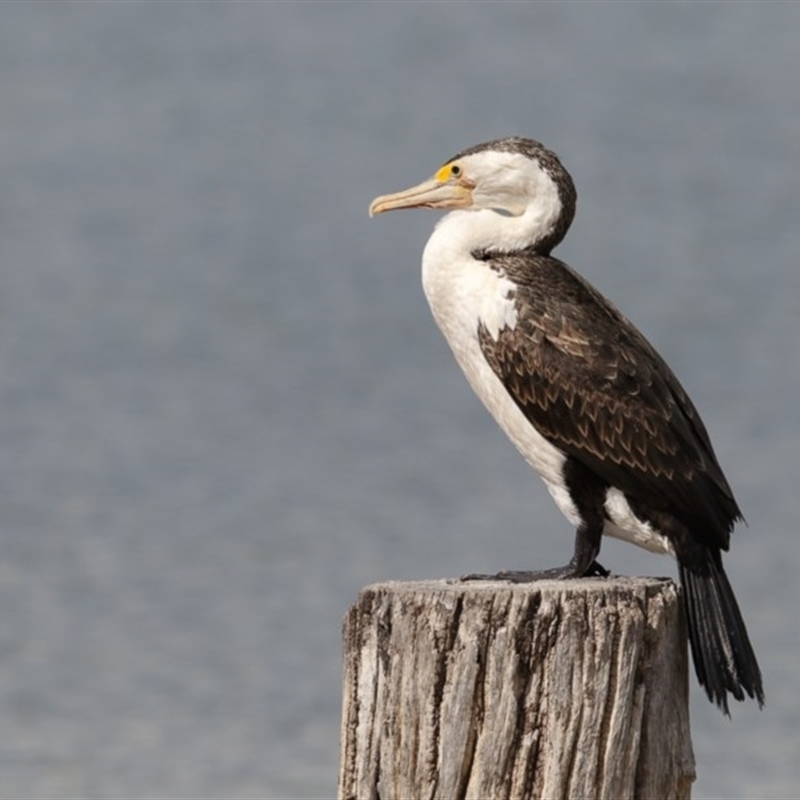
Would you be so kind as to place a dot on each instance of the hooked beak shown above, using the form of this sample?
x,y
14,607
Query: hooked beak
x,y
432,193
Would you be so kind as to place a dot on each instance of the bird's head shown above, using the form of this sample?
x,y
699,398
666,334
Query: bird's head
x,y
526,197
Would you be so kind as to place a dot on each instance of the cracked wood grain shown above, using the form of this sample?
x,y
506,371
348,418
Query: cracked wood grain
x,y
556,689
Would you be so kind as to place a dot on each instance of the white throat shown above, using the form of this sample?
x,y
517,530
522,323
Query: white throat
x,y
506,226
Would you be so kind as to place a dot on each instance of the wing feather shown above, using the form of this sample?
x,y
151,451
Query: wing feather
x,y
594,387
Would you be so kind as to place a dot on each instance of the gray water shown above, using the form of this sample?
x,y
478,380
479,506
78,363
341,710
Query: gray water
x,y
224,406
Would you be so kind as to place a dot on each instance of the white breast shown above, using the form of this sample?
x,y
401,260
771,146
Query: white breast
x,y
464,293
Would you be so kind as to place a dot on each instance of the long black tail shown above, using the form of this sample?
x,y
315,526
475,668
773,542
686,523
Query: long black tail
x,y
723,656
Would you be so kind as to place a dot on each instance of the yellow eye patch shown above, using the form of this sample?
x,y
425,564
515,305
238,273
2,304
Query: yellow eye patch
x,y
447,172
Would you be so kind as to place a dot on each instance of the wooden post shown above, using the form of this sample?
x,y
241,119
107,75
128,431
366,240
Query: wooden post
x,y
556,689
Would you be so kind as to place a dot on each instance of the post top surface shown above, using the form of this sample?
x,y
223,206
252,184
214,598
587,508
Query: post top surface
x,y
582,586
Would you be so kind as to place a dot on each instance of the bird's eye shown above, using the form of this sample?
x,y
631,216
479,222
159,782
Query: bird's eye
x,y
455,170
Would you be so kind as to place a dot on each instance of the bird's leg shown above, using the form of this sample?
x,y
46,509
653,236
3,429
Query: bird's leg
x,y
582,564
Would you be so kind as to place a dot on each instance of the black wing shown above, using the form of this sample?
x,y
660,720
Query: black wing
x,y
596,388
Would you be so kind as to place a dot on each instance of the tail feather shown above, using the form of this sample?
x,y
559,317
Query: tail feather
x,y
723,656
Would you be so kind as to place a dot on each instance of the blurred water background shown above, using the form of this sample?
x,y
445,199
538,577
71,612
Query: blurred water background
x,y
224,406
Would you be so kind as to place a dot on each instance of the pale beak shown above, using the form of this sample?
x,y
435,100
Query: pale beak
x,y
428,194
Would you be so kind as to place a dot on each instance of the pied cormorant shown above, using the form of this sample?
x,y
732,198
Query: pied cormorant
x,y
578,389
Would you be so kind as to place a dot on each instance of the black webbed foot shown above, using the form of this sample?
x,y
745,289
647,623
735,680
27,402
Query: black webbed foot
x,y
581,565
557,574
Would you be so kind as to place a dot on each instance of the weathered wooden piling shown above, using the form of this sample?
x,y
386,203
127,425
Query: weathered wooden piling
x,y
556,689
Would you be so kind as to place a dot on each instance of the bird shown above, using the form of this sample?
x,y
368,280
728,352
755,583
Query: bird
x,y
581,393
